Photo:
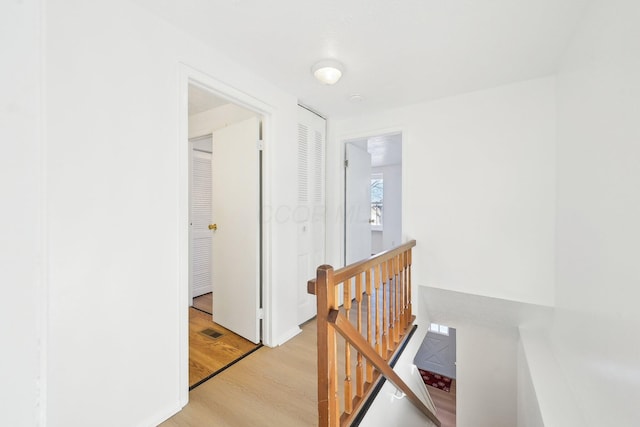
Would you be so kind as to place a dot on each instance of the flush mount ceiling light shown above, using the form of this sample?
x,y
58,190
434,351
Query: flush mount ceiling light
x,y
328,71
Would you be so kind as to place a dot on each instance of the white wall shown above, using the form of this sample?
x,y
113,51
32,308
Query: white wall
x,y
21,221
377,243
392,217
114,209
528,408
596,334
486,353
486,383
479,188
544,394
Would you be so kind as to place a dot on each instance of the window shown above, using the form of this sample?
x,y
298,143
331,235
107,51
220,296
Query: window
x,y
377,193
439,329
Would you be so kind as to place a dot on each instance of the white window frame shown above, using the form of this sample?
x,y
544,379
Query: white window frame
x,y
379,227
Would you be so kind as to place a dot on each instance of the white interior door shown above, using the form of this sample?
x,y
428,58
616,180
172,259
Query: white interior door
x,y
236,241
357,203
200,217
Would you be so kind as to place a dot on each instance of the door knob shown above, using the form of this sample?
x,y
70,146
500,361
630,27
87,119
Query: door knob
x,y
213,227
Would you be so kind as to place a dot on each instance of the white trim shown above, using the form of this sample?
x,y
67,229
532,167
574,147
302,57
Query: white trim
x,y
188,75
380,176
267,162
160,417
287,336
42,296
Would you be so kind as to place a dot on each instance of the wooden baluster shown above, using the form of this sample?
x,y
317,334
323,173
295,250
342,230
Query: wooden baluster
x,y
400,297
384,311
407,318
326,293
348,397
370,313
391,305
396,317
334,404
410,310
403,299
376,278
359,365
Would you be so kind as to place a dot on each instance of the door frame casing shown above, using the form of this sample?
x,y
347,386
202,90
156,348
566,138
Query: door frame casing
x,y
189,75
344,140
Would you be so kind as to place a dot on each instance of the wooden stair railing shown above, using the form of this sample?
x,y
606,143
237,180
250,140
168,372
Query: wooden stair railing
x,y
382,287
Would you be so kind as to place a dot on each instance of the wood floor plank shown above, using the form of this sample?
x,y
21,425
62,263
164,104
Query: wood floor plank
x,y
207,355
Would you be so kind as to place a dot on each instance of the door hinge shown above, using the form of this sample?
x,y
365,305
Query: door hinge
x,y
260,145
260,313
346,163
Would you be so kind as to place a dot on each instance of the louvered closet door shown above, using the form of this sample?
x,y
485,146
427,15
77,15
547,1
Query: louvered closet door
x,y
309,214
200,218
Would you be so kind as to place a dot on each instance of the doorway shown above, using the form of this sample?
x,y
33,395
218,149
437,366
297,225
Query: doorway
x,y
373,195
225,223
225,232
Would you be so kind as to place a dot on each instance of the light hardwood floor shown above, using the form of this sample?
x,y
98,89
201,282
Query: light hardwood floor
x,y
270,387
445,404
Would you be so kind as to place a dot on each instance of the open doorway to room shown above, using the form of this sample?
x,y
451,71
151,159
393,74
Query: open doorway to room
x,y
373,195
225,193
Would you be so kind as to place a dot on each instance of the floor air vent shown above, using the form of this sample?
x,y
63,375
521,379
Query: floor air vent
x,y
211,333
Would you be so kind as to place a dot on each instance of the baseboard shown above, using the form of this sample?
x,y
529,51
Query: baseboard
x,y
287,336
201,291
158,419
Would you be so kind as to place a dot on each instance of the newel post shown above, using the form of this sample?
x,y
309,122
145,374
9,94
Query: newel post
x,y
328,409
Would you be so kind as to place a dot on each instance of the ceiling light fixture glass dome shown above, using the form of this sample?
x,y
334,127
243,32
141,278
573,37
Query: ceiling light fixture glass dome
x,y
328,71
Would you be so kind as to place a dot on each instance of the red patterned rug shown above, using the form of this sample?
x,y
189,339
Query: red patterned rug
x,y
436,380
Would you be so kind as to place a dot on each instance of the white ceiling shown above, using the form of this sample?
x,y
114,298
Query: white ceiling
x,y
385,150
396,52
202,100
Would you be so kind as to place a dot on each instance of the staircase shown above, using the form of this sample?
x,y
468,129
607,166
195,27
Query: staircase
x,y
365,316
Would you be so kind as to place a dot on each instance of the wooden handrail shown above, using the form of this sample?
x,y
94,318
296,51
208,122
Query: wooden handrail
x,y
351,270
385,296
